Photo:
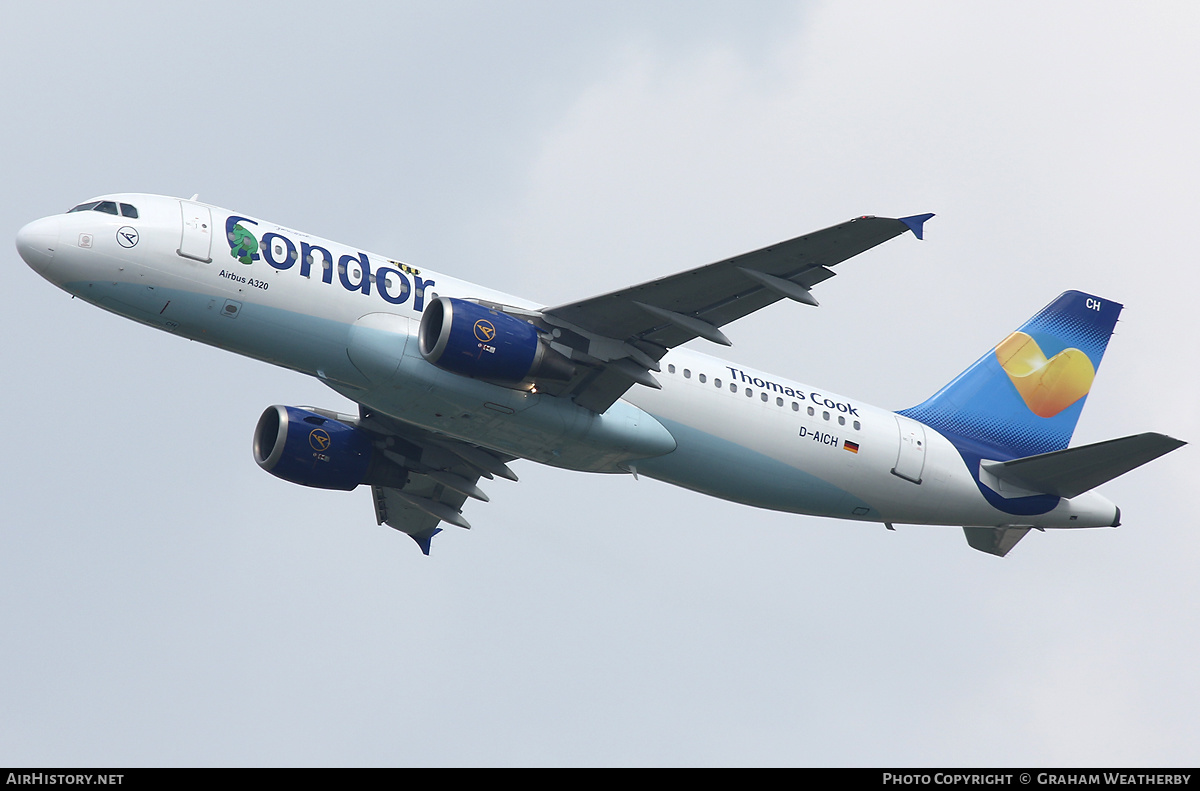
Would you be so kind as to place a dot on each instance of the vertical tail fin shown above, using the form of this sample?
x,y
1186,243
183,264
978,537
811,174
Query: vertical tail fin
x,y
1025,395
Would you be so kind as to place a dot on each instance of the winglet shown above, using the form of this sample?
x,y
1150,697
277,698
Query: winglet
x,y
916,224
424,538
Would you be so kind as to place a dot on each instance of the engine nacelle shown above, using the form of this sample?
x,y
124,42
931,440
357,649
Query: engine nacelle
x,y
312,450
472,340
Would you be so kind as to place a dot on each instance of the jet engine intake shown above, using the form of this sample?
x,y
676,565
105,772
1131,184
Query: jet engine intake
x,y
472,340
304,447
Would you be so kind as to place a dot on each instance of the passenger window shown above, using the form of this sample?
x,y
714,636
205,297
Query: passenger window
x,y
703,378
107,206
857,426
795,407
764,398
778,402
687,373
717,382
128,211
670,369
749,393
841,420
733,387
825,415
811,412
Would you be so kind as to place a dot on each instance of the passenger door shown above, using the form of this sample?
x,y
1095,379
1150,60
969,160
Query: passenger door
x,y
196,239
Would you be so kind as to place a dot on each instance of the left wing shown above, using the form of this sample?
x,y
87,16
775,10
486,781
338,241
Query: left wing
x,y
620,337
441,473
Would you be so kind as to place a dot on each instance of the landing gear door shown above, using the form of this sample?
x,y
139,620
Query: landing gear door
x,y
910,459
196,240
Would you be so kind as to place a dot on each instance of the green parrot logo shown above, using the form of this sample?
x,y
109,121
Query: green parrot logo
x,y
242,244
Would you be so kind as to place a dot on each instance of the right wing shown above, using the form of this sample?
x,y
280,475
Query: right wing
x,y
621,336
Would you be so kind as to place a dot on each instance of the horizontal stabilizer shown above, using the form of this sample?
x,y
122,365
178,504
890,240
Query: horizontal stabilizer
x,y
994,540
1071,472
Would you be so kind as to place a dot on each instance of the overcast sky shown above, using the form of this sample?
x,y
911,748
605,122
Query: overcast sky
x,y
165,602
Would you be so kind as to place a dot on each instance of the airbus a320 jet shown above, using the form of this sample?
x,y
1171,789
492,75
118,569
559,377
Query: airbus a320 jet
x,y
455,381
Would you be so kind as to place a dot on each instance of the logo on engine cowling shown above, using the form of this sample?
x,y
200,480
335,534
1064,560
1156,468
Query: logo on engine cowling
x,y
484,330
319,439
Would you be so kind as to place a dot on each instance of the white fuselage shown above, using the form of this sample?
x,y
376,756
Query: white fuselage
x,y
350,318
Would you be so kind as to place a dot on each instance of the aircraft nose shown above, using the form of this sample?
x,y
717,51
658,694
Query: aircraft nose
x,y
37,241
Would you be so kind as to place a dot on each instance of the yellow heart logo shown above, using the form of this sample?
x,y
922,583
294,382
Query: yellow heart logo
x,y
1047,386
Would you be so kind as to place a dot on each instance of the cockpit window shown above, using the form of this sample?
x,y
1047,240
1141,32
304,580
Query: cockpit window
x,y
108,207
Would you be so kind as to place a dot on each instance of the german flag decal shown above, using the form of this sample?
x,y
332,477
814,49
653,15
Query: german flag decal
x,y
850,446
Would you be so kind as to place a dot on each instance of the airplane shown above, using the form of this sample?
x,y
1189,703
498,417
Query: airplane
x,y
455,381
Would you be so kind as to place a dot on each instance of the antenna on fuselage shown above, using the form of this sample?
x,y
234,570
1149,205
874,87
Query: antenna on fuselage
x,y
197,195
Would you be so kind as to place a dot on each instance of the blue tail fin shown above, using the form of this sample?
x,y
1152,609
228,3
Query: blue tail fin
x,y
1024,396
